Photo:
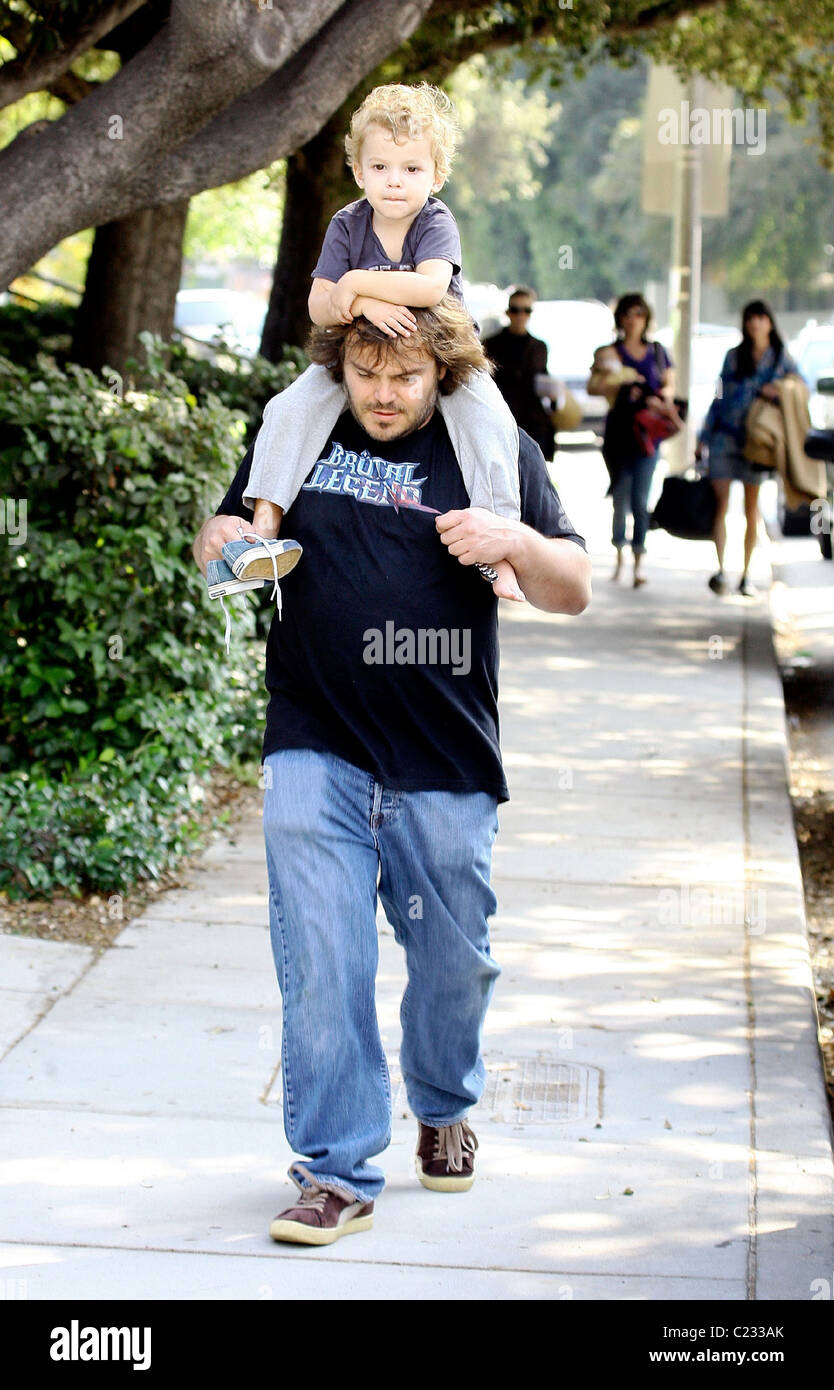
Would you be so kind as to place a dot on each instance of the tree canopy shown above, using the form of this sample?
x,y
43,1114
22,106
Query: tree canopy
x,y
206,92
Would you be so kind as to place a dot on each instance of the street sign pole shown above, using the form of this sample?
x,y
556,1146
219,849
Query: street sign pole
x,y
685,277
685,179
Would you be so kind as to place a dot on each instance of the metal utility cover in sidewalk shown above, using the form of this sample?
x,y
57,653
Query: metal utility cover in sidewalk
x,y
528,1091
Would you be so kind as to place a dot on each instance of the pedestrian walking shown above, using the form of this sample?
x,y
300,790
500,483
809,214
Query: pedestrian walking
x,y
519,359
382,765
633,372
749,370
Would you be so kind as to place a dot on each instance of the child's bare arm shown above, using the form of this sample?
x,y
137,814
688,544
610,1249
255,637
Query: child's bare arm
x,y
329,303
422,288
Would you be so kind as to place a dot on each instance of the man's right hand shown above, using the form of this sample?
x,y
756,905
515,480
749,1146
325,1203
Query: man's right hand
x,y
214,534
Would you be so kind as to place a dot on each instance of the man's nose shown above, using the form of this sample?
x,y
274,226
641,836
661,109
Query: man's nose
x,y
385,392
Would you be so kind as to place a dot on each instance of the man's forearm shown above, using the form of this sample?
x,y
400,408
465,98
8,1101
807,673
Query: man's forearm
x,y
554,574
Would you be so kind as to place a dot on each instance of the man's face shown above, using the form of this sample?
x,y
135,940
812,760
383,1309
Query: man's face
x,y
519,310
392,393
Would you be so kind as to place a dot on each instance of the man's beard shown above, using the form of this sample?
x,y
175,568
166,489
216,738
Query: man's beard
x,y
425,413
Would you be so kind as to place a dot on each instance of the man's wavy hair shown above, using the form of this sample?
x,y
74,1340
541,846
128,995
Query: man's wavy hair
x,y
446,332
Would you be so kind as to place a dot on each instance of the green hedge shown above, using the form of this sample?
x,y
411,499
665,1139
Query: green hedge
x,y
241,385
115,690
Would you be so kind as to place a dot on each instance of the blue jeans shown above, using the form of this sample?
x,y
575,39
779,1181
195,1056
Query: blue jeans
x,y
631,494
334,836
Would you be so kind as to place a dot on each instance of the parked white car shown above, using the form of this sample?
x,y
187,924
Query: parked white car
x,y
813,352
234,315
710,344
573,330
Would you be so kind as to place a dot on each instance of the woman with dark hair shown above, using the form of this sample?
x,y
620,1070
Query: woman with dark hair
x,y
749,370
633,358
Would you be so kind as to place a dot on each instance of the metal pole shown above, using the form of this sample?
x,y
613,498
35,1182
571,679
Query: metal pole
x,y
685,275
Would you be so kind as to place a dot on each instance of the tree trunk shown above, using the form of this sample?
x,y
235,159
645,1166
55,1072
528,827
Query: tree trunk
x,y
132,280
318,184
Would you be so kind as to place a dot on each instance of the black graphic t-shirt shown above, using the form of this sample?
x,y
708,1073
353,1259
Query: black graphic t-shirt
x,y
387,651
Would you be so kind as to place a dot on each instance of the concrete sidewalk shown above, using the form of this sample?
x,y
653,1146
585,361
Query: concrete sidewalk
x,y
654,1125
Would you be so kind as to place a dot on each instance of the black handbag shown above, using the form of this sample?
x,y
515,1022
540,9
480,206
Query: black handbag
x,y
686,507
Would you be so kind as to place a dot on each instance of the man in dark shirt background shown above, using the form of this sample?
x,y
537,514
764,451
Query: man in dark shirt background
x,y
519,358
382,767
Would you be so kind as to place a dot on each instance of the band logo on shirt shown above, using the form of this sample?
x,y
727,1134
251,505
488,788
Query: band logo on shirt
x,y
366,477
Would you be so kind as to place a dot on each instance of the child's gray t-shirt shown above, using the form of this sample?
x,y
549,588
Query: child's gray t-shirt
x,y
351,243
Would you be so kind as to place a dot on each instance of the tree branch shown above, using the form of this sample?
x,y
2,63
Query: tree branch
x,y
206,56
171,147
70,88
659,15
290,108
32,71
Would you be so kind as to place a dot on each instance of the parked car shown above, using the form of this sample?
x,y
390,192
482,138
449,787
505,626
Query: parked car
x,y
573,329
820,445
813,351
710,344
233,315
487,305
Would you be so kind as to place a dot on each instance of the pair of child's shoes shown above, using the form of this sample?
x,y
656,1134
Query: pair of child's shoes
x,y
246,567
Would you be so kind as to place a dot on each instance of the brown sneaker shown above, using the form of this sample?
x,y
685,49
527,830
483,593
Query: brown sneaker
x,y
320,1215
445,1159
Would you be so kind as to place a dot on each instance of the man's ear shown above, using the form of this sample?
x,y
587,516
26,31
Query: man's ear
x,y
441,372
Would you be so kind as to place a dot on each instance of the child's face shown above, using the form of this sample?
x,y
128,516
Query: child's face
x,y
397,176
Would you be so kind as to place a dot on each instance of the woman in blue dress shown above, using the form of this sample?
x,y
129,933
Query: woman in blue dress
x,y
749,370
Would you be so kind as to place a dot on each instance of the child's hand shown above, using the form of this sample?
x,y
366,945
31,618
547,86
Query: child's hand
x,y
341,301
394,319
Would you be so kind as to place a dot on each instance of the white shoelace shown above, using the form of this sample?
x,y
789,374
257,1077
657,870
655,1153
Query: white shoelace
x,y
276,588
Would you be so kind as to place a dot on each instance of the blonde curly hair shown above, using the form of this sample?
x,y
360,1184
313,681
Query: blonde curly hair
x,y
410,113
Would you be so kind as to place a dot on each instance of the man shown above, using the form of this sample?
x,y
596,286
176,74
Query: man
x,y
381,760
519,358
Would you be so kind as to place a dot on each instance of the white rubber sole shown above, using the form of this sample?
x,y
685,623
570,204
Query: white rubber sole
x,y
443,1184
260,567
298,1234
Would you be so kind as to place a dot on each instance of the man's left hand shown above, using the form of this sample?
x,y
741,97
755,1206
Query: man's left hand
x,y
476,536
552,572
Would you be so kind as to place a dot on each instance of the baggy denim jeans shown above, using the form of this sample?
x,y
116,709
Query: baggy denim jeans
x,y
334,837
